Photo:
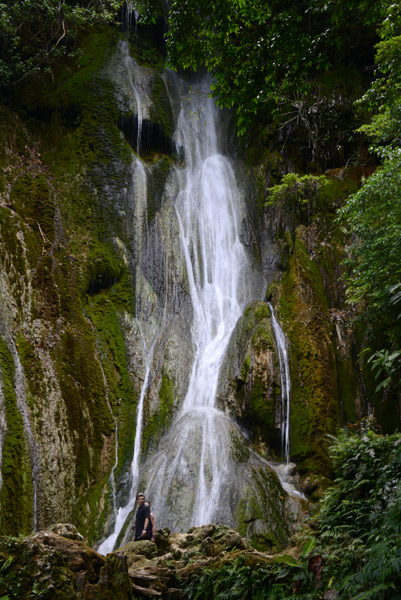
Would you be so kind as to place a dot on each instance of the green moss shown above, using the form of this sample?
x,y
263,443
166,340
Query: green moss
x,y
262,311
71,93
158,422
239,450
161,109
156,185
103,311
16,491
260,512
260,410
256,391
245,367
32,198
32,369
314,408
17,257
247,510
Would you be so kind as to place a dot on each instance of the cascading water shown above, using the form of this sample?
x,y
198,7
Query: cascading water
x,y
205,279
192,465
281,344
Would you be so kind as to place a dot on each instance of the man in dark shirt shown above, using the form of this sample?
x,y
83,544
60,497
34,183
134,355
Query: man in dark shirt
x,y
143,526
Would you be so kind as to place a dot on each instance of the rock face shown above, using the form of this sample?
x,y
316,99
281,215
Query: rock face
x,y
94,297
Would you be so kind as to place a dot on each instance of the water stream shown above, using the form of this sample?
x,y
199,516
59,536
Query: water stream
x,y
3,429
20,392
281,344
124,511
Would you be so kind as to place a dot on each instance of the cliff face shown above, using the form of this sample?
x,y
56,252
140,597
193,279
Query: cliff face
x,y
92,277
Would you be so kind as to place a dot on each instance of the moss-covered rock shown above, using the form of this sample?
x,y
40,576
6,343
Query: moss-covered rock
x,y
254,394
48,565
325,387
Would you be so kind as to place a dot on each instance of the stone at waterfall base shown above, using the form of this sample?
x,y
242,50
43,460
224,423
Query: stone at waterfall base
x,y
54,567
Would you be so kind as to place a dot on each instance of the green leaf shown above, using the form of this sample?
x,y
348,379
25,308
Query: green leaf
x,y
308,547
287,559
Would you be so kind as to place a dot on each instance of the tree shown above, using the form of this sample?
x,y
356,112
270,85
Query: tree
x,y
262,53
373,215
35,33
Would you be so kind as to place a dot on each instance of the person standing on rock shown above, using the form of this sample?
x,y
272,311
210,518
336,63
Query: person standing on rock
x,y
152,523
143,526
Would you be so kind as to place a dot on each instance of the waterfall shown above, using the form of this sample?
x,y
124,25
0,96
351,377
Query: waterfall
x,y
192,465
281,345
187,476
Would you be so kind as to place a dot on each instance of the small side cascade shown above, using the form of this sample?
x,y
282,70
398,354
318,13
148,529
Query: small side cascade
x,y
123,511
132,70
130,9
111,478
3,429
281,344
20,390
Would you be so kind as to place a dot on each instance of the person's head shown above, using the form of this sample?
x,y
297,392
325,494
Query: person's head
x,y
141,498
147,503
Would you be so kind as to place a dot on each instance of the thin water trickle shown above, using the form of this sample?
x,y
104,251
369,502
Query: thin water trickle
x,y
3,429
133,77
112,480
20,392
123,511
285,381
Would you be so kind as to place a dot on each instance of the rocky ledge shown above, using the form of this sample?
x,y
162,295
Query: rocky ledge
x,y
58,564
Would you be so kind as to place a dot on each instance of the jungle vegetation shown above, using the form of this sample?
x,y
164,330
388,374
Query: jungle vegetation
x,y
266,59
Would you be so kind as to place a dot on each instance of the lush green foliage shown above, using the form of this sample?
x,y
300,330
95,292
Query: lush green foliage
x,y
265,53
304,191
372,216
359,523
34,34
354,550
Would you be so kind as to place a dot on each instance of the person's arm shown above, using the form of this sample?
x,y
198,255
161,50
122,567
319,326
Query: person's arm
x,y
153,521
145,526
